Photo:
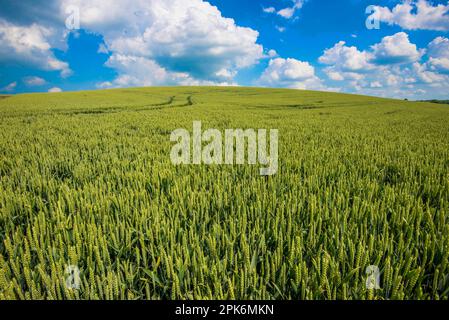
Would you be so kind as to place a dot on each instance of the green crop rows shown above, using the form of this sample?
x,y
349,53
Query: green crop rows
x,y
86,180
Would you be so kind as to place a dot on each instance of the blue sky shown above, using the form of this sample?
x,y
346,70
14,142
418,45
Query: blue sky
x,y
303,44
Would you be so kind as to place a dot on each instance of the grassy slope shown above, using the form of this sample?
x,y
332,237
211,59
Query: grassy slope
x,y
86,179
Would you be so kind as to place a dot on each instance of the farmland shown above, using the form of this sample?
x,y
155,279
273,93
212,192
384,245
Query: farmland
x,y
86,180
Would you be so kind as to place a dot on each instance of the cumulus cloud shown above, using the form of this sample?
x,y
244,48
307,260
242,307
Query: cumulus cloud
x,y
177,40
415,15
334,75
392,67
34,81
346,59
139,71
290,73
419,73
349,63
54,90
29,45
187,39
396,49
438,52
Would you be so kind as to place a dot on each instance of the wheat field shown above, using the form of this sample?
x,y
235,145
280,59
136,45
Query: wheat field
x,y
86,180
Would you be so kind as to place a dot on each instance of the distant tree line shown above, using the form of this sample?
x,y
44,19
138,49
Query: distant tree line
x,y
436,101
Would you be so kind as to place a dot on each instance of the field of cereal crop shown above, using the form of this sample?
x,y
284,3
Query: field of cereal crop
x,y
86,180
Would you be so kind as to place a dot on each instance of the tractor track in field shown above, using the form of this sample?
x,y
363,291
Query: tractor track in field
x,y
110,110
121,109
160,106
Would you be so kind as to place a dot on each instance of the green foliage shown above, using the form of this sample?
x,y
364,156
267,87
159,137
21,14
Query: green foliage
x,y
86,180
438,101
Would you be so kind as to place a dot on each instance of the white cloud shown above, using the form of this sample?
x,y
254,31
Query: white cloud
x,y
10,87
415,15
136,71
272,53
396,49
34,81
140,71
420,73
289,12
439,47
350,63
346,59
376,84
412,81
392,68
334,75
54,90
392,80
29,44
438,52
269,10
180,37
290,73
